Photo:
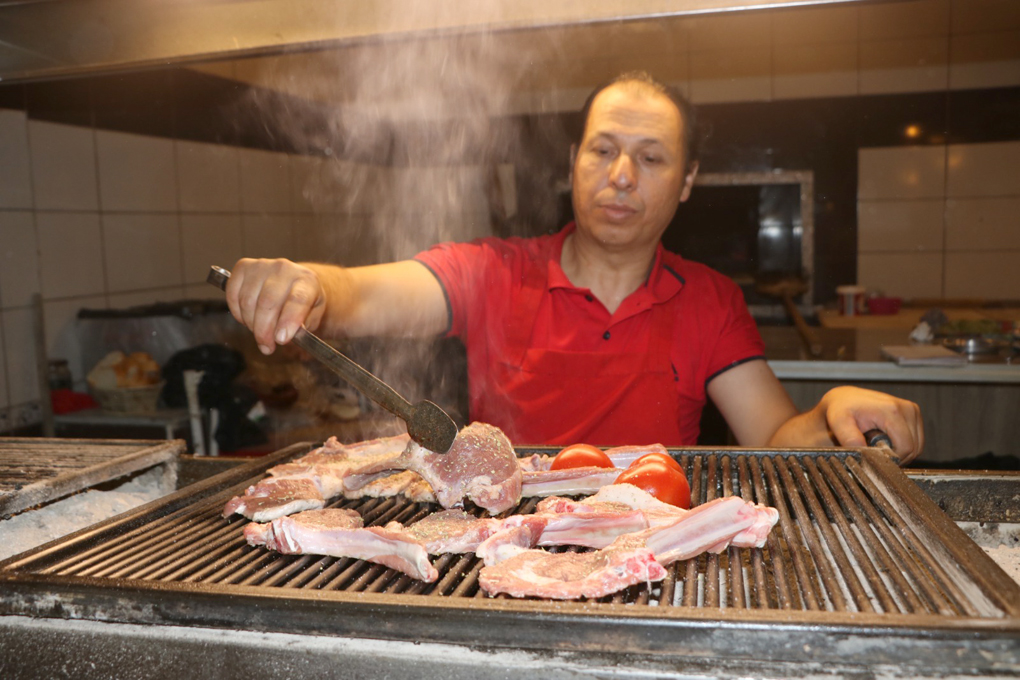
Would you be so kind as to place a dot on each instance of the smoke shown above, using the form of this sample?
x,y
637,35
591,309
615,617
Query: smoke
x,y
421,146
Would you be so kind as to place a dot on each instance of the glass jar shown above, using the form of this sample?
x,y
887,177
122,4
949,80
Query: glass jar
x,y
59,375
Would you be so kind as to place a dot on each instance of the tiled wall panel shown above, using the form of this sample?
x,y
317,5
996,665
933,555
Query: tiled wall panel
x,y
965,244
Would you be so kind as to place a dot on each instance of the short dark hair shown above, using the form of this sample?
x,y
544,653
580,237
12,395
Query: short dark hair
x,y
688,120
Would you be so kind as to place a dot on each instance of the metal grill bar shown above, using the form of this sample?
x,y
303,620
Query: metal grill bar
x,y
839,537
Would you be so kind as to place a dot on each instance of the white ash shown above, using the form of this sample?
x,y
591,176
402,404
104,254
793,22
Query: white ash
x,y
36,526
1000,541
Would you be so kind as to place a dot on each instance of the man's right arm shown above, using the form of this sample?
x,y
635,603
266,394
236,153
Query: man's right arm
x,y
274,297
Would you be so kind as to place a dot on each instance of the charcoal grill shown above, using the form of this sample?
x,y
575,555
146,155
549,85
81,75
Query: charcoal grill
x,y
862,569
37,470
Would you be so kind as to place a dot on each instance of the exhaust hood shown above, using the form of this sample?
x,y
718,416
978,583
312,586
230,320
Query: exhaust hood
x,y
42,39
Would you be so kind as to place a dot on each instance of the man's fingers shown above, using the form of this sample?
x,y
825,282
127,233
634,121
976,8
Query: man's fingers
x,y
846,431
301,300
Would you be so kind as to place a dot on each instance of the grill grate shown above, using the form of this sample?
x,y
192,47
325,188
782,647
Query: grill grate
x,y
840,546
858,548
37,470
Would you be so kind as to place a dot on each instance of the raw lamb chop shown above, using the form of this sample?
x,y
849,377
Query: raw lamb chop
x,y
572,481
568,576
451,531
709,527
341,533
307,483
481,465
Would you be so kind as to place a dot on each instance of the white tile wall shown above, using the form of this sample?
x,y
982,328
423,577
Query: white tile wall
x,y
964,244
989,275
4,398
70,254
19,349
984,169
209,177
16,170
19,258
210,240
904,65
983,223
142,250
63,166
814,70
61,318
901,172
136,173
907,275
268,235
904,226
265,181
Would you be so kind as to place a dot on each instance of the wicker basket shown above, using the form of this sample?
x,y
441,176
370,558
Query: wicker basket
x,y
129,399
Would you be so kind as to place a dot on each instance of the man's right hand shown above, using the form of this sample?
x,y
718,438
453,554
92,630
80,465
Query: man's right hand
x,y
274,298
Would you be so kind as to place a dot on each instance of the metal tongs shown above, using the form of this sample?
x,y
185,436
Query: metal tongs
x,y
427,423
877,439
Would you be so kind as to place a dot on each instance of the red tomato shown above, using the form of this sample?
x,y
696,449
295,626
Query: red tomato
x,y
660,480
661,457
581,455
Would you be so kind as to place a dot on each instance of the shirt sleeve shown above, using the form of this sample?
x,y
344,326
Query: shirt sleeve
x,y
738,340
461,269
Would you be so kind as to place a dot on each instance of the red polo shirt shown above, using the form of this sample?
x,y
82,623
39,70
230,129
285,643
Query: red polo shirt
x,y
685,310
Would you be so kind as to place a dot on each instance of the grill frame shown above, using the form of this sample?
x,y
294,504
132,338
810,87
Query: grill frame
x,y
786,635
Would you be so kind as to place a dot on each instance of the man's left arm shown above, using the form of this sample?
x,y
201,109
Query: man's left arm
x,y
760,413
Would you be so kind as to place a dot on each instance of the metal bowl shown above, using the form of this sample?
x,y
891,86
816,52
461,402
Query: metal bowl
x,y
973,344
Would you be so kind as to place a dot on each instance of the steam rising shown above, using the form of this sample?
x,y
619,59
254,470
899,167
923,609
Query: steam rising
x,y
421,151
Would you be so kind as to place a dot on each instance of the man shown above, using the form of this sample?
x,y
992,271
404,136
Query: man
x,y
595,334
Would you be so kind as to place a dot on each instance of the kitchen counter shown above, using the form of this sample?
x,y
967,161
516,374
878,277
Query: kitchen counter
x,y
855,354
968,410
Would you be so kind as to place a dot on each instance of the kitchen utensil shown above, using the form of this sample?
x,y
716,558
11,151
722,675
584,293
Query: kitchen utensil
x,y
877,439
973,344
427,423
786,288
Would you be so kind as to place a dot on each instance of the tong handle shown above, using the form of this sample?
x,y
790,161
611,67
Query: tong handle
x,y
878,439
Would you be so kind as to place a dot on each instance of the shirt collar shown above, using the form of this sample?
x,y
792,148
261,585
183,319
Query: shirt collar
x,y
664,281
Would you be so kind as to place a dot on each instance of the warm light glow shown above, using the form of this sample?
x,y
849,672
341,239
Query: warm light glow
x,y
912,131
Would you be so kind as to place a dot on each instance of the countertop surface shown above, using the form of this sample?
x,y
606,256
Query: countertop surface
x,y
855,354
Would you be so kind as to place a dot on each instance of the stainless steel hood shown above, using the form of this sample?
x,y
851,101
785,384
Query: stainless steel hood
x,y
41,39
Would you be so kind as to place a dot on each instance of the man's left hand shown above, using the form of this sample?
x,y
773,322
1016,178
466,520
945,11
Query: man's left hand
x,y
851,411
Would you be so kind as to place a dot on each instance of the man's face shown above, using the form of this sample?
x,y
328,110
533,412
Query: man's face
x,y
628,172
